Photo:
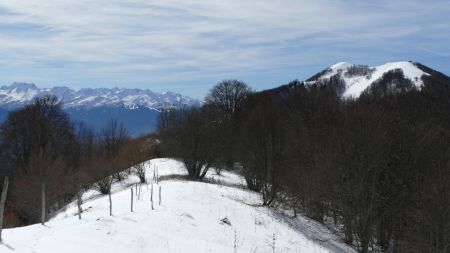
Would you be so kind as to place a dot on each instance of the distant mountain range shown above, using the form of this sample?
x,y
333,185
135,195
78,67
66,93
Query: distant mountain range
x,y
18,94
137,109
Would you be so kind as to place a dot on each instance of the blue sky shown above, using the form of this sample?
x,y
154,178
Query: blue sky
x,y
187,46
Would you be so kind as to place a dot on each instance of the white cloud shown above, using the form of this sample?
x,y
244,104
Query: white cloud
x,y
105,37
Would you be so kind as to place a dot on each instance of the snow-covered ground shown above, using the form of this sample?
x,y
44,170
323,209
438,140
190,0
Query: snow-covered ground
x,y
188,220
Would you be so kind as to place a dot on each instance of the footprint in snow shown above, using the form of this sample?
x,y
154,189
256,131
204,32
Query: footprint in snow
x,y
187,216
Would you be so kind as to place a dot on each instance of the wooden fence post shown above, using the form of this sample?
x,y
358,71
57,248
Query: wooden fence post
x,y
110,203
79,202
131,199
2,203
43,204
151,195
160,195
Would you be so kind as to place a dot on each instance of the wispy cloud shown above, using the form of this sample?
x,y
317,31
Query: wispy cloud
x,y
165,43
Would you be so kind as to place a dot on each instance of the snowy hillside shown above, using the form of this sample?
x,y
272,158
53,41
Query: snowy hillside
x,y
188,220
358,78
18,94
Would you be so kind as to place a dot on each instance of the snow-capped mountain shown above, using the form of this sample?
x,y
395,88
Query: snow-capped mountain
x,y
137,109
19,94
358,78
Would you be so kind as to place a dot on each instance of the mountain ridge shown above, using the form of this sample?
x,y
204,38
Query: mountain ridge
x,y
137,109
18,94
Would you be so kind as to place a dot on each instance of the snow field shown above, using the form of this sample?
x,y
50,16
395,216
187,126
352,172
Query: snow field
x,y
188,220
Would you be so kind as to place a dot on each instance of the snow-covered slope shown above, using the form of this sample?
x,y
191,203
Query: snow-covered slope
x,y
358,78
188,220
18,94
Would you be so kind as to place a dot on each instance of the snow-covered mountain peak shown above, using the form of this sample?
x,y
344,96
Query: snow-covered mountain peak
x,y
18,92
358,78
21,86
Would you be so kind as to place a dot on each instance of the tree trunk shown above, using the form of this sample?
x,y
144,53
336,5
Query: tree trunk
x,y
2,203
43,204
203,173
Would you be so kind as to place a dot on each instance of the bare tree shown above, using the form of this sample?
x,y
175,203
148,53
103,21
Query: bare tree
x,y
225,100
139,170
104,185
228,96
191,137
263,146
114,136
39,142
